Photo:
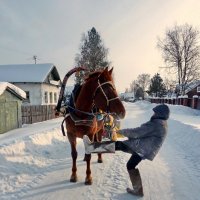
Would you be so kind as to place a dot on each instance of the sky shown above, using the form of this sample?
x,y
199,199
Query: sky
x,y
52,30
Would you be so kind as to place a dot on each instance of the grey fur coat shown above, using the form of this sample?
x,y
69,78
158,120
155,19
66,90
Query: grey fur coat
x,y
147,139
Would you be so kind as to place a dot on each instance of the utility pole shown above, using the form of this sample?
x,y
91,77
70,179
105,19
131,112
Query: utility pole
x,y
35,59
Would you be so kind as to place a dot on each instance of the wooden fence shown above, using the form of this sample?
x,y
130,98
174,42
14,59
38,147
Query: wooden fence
x,y
39,113
193,102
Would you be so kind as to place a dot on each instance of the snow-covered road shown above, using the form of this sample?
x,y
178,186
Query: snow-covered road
x,y
35,162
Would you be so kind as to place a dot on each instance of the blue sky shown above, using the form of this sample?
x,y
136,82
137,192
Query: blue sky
x,y
52,30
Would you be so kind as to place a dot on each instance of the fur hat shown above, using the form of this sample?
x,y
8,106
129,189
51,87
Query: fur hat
x,y
162,111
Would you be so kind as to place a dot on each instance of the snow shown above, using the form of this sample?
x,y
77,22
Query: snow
x,y
35,162
25,72
5,85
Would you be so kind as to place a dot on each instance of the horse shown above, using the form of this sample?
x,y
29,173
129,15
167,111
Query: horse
x,y
98,90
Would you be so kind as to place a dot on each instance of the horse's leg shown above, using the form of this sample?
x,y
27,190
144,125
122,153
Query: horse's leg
x,y
99,139
74,155
100,158
88,179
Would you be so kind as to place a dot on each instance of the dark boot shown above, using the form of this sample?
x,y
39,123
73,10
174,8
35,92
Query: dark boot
x,y
98,147
136,183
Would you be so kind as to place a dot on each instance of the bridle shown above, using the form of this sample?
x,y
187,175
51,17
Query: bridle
x,y
104,94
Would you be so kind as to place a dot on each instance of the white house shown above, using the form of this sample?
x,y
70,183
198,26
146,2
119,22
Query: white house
x,y
40,81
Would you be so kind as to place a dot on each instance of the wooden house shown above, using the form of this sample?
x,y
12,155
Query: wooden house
x,y
193,89
10,106
40,81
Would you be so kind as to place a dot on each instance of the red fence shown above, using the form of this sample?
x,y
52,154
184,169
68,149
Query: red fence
x,y
181,100
39,113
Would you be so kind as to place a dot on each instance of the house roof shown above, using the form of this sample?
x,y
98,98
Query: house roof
x,y
27,72
13,89
192,85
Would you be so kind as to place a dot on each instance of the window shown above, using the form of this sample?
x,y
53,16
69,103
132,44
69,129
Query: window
x,y
198,89
55,97
27,96
46,97
51,97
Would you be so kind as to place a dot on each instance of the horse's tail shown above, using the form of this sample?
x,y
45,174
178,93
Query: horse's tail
x,y
76,69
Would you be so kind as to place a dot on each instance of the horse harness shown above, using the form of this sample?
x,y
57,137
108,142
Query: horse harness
x,y
90,116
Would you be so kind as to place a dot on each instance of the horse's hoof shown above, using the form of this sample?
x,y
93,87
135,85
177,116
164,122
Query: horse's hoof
x,y
88,182
73,179
100,161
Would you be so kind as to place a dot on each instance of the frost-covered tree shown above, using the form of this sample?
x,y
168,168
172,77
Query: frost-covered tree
x,y
93,54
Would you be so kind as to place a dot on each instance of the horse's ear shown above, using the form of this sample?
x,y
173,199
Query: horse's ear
x,y
110,71
106,69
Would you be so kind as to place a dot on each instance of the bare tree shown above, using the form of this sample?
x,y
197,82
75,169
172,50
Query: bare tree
x,y
139,86
133,86
181,53
170,84
143,81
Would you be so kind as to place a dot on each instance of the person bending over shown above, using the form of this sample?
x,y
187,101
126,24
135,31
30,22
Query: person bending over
x,y
143,143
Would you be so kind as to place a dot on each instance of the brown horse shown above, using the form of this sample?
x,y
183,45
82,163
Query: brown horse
x,y
98,90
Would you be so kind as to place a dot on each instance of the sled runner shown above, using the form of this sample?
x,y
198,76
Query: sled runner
x,y
98,147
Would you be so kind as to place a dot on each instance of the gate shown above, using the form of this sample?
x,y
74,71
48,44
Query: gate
x,y
8,116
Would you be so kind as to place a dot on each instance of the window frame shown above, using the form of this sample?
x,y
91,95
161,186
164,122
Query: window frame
x,y
55,97
46,97
50,97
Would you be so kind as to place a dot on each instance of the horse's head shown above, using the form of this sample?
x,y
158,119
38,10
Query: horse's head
x,y
105,95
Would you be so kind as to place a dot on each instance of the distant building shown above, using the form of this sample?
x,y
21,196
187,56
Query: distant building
x,y
40,81
10,106
193,89
127,96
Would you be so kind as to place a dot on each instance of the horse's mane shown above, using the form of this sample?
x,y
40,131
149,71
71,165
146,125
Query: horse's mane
x,y
93,75
97,74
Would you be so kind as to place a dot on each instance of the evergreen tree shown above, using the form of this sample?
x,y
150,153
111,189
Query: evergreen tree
x,y
157,87
139,94
93,54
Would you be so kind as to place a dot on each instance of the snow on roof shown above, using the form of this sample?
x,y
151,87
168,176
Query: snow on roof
x,y
27,72
191,86
14,89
